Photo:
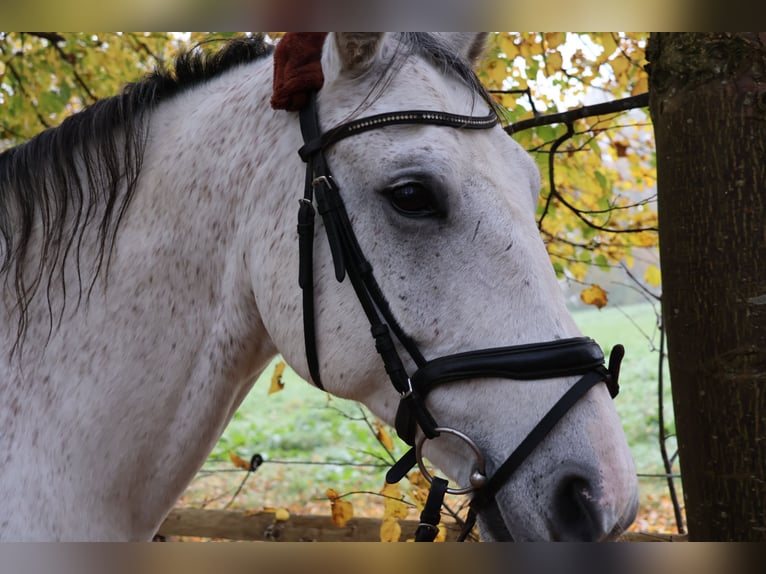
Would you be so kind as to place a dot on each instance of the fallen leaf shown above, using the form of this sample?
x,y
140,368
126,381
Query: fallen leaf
x,y
341,510
238,461
594,295
390,531
384,437
276,379
281,515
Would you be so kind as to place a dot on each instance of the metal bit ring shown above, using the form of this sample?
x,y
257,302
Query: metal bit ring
x,y
478,475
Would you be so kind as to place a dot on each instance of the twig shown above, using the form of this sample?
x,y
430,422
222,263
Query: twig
x,y
639,283
662,436
15,74
239,489
551,172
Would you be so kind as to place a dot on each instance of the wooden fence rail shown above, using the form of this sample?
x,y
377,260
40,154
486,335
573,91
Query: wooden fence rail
x,y
233,525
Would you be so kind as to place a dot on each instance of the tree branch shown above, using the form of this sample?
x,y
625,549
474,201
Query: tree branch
x,y
551,175
639,101
663,437
23,90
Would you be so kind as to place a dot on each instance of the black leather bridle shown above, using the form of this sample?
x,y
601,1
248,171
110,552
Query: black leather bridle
x,y
559,358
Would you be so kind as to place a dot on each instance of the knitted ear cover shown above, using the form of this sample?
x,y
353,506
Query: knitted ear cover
x,y
297,69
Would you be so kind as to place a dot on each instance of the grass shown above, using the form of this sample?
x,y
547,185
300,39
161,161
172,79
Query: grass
x,y
311,441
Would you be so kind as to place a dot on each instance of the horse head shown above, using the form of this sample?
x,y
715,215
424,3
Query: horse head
x,y
445,216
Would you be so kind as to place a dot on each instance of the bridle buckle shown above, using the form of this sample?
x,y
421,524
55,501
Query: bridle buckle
x,y
325,180
408,392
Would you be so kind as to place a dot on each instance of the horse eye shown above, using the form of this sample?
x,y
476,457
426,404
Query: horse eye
x,y
413,200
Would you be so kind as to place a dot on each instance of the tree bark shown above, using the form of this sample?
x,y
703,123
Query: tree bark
x,y
708,104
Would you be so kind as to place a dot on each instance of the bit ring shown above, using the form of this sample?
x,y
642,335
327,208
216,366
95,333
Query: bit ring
x,y
478,475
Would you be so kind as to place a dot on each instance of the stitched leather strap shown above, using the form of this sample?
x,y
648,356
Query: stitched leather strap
x,y
431,515
486,495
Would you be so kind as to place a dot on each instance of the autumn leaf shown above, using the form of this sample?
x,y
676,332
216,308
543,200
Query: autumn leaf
x,y
555,39
390,531
609,44
653,276
238,461
554,61
276,378
281,515
384,438
641,85
594,295
341,510
393,505
620,65
420,488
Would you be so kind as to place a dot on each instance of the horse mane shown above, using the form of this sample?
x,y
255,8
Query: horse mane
x,y
87,169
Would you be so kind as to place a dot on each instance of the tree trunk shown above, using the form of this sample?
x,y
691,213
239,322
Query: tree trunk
x,y
708,104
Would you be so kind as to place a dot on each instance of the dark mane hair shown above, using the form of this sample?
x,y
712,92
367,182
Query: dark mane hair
x,y
87,169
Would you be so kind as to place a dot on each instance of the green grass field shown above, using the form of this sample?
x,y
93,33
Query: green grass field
x,y
305,425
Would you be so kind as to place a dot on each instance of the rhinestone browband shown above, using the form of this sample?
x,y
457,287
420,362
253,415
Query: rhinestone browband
x,y
398,118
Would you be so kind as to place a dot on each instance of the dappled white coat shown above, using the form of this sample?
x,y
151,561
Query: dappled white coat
x,y
103,427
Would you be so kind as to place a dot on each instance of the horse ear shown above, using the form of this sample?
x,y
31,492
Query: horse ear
x,y
471,45
352,53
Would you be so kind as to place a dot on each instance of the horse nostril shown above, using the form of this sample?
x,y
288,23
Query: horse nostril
x,y
575,513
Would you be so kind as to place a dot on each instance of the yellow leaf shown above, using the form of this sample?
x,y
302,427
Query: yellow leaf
x,y
554,61
384,437
498,72
276,379
579,270
393,506
281,515
441,536
390,531
341,510
508,47
641,85
420,488
594,295
620,65
238,461
652,276
555,39
609,44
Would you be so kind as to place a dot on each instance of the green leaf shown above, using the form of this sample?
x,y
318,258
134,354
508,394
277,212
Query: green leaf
x,y
601,178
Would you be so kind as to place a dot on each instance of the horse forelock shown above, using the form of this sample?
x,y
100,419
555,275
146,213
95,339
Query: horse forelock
x,y
434,50
84,173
